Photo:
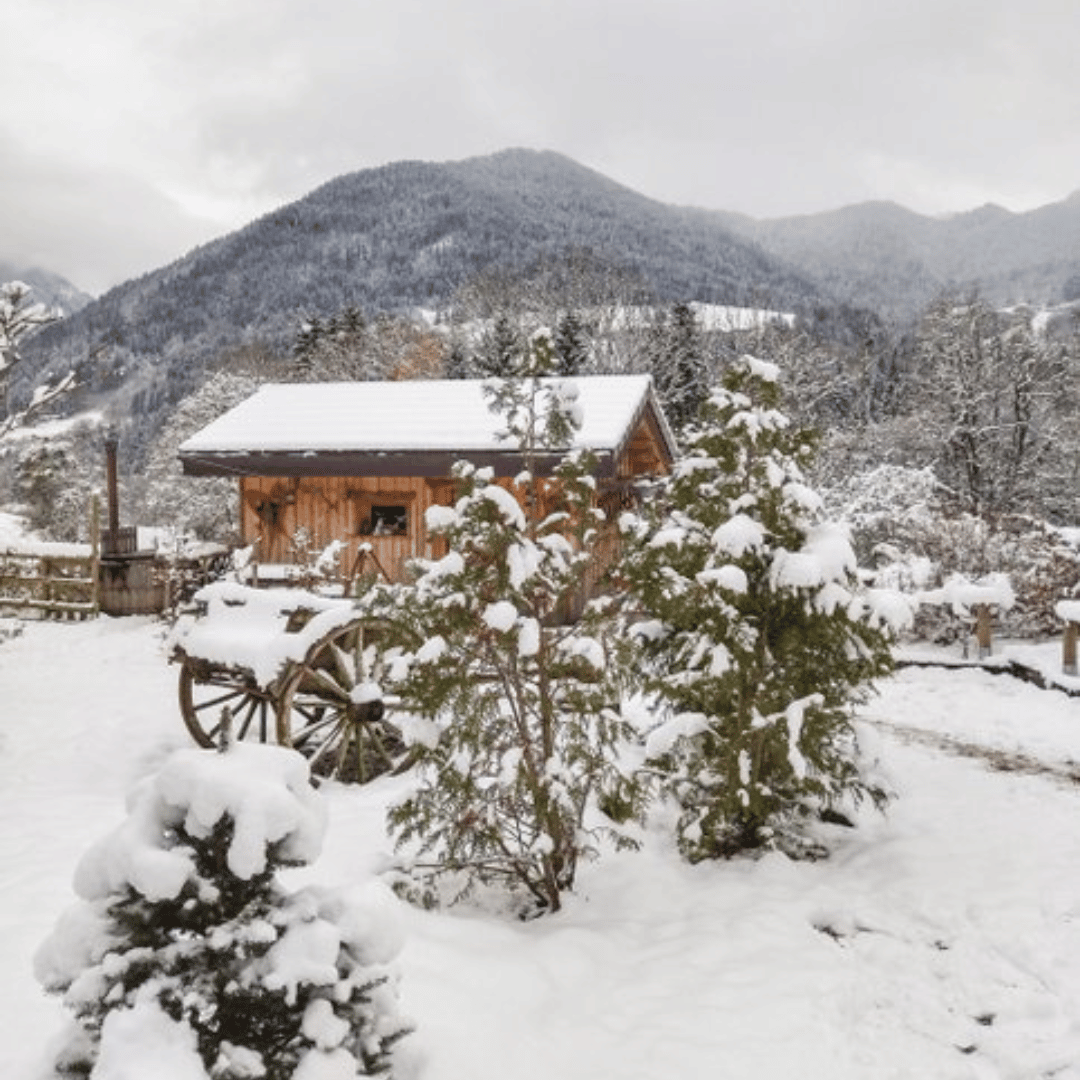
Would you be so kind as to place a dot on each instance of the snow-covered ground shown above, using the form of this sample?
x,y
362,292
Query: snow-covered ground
x,y
13,530
939,941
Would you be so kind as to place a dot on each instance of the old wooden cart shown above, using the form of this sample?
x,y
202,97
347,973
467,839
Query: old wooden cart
x,y
292,667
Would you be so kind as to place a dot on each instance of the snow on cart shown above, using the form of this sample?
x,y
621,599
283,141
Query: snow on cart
x,y
287,666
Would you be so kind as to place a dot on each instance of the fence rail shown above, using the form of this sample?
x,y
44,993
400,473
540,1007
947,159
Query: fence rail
x,y
62,585
60,580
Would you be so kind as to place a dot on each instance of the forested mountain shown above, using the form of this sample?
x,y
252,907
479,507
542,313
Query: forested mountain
x,y
881,256
394,238
413,234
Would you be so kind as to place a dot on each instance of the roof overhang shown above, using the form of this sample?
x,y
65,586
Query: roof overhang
x,y
425,463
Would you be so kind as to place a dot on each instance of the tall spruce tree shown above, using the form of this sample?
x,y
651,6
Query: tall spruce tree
x,y
571,345
759,639
525,772
499,353
680,365
458,364
306,344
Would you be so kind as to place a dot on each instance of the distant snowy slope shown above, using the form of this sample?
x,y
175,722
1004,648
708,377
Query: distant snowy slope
x,y
50,289
893,260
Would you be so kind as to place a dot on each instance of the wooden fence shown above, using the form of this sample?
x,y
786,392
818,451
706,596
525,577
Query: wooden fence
x,y
58,580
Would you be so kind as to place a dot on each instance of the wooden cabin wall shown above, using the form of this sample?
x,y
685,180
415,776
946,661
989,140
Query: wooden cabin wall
x,y
273,510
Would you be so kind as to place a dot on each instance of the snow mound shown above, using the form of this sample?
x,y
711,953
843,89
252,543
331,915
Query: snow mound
x,y
145,1041
264,790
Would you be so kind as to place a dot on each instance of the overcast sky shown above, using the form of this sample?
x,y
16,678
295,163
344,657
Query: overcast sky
x,y
131,130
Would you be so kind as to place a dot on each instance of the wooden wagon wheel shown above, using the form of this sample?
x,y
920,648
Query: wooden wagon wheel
x,y
207,690
332,710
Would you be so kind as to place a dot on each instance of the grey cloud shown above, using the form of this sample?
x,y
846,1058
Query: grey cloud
x,y
93,226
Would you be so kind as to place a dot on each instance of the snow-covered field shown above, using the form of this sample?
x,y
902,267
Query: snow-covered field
x,y
940,941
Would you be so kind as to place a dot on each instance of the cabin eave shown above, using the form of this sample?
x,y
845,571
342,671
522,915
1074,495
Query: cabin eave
x,y
383,463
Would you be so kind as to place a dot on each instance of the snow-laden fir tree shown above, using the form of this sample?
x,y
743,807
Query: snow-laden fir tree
x,y
571,344
458,364
525,765
184,940
679,364
759,637
499,350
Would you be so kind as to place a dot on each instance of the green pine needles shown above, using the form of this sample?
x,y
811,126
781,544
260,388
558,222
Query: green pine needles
x,y
531,740
749,633
185,941
759,641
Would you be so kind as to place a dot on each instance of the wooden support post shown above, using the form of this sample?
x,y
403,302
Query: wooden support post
x,y
112,442
47,573
1068,648
983,630
95,556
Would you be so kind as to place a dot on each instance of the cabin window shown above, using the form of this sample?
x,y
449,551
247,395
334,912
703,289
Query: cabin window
x,y
385,520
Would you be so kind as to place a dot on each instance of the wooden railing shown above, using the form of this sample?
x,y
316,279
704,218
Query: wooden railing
x,y
56,579
62,581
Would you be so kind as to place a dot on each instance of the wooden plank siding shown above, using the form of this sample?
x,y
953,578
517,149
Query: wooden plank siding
x,y
274,510
644,454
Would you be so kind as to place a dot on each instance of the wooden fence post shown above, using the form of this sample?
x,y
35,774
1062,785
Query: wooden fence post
x,y
983,630
1068,648
95,556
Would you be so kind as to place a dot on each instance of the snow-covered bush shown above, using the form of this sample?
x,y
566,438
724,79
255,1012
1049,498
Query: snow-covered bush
x,y
760,637
914,540
186,954
884,505
54,473
524,752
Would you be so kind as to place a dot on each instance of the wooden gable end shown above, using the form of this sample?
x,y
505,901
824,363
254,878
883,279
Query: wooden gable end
x,y
646,451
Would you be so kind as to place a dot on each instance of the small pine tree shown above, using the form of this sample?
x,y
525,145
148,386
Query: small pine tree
x,y
306,344
182,918
525,773
571,344
458,365
759,638
680,366
499,355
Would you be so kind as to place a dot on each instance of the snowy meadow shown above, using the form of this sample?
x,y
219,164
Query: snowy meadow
x,y
941,939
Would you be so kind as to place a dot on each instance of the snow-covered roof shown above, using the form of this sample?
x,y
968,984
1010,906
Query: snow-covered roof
x,y
399,428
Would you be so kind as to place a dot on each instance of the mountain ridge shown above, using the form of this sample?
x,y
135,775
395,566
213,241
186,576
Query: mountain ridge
x,y
894,260
49,288
394,238
408,234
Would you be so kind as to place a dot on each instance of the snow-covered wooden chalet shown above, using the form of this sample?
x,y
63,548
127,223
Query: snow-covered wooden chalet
x,y
361,462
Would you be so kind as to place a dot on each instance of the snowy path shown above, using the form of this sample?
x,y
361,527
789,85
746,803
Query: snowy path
x,y
941,941
1002,760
